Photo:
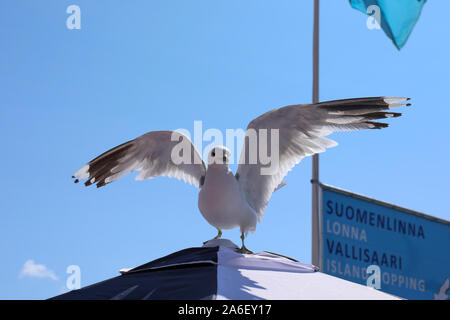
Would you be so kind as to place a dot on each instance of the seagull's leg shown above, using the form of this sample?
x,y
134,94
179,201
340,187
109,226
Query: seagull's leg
x,y
219,235
243,249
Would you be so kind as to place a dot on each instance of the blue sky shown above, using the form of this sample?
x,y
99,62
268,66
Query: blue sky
x,y
138,66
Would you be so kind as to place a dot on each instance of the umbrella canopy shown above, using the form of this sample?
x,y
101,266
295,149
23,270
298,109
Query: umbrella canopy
x,y
217,271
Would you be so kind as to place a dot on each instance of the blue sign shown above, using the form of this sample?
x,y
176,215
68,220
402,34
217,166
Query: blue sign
x,y
411,249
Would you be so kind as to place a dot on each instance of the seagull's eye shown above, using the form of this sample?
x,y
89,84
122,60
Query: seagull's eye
x,y
224,159
213,153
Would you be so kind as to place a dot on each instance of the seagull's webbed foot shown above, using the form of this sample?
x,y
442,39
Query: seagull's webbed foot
x,y
243,249
219,235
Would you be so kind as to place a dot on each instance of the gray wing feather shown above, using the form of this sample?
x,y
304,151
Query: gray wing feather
x,y
150,154
302,131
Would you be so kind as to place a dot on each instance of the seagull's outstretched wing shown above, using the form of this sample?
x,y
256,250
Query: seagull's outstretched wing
x,y
151,154
302,131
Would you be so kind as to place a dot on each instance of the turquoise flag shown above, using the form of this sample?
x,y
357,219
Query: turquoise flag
x,y
396,17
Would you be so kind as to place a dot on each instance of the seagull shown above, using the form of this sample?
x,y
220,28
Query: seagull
x,y
228,200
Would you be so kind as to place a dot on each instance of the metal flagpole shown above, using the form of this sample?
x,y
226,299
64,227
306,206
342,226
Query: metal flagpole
x,y
315,165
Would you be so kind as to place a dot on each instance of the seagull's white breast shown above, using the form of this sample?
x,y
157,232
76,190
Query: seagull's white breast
x,y
222,202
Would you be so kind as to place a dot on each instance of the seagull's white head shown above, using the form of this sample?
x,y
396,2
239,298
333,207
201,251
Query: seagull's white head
x,y
219,155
